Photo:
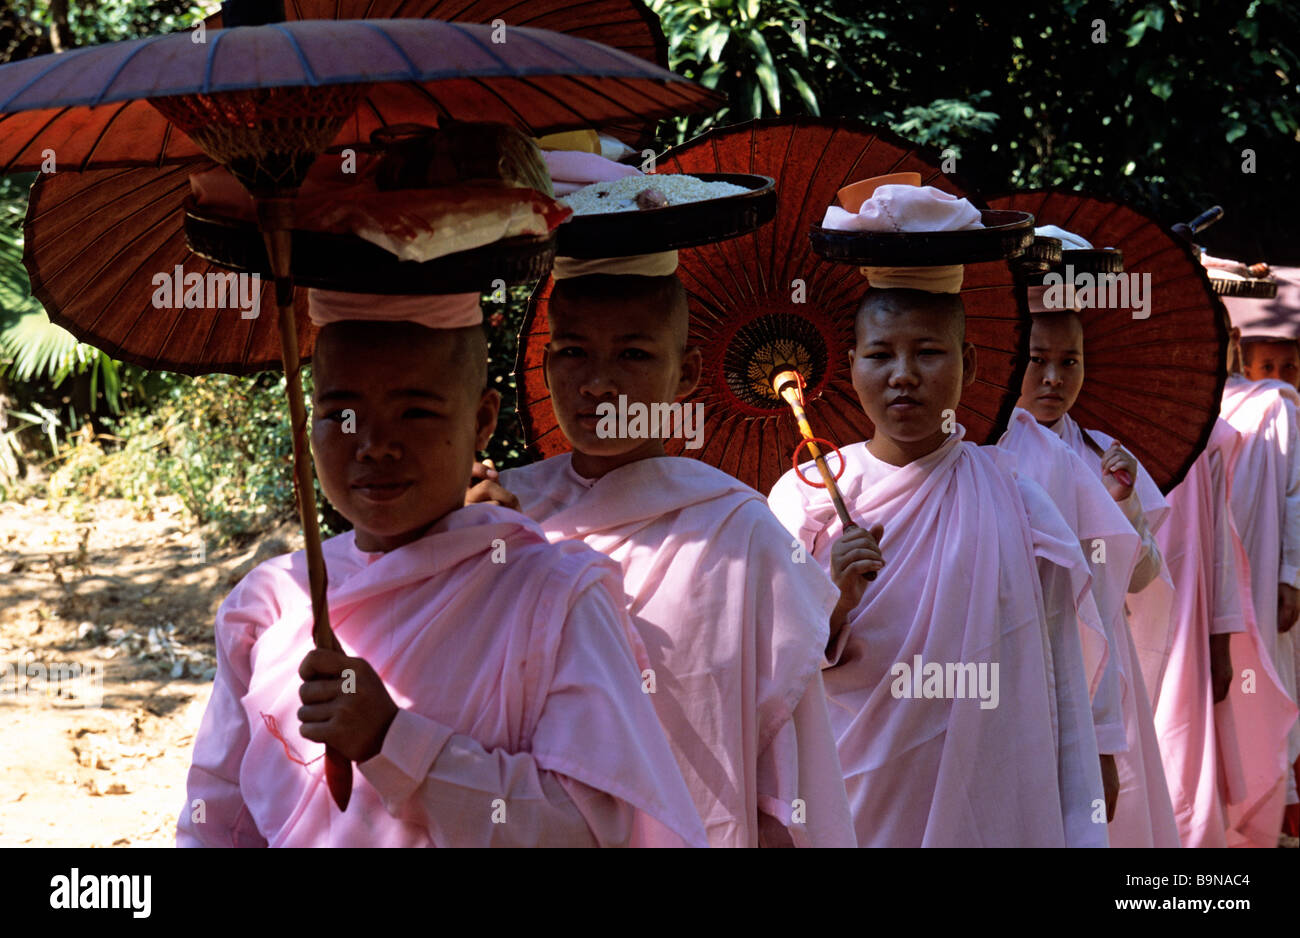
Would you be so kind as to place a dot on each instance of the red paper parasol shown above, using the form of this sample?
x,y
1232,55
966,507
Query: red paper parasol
x,y
744,314
94,240
86,104
1155,383
266,100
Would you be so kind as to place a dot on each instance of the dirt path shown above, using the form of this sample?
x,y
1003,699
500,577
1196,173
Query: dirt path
x,y
104,595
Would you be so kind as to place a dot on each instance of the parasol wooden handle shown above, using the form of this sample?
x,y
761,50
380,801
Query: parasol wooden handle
x,y
789,386
275,219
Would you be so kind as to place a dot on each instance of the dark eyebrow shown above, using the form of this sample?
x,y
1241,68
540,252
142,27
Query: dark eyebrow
x,y
417,392
923,338
1044,348
624,337
338,396
342,395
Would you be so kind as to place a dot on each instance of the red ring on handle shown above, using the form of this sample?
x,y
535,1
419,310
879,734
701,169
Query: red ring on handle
x,y
831,447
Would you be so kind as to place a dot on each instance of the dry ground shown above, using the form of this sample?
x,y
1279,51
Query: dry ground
x,y
103,587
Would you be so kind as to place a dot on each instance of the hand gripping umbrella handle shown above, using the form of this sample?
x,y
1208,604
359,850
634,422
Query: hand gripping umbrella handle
x,y
1121,475
274,217
789,386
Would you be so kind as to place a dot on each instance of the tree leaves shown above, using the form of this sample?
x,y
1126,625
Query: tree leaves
x,y
760,53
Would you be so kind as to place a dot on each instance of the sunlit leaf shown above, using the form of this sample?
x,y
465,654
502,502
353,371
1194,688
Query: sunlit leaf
x,y
805,92
771,87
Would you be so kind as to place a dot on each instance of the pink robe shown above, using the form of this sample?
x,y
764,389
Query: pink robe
x,y
1144,813
1104,533
735,629
1111,546
1266,507
1223,762
939,763
522,720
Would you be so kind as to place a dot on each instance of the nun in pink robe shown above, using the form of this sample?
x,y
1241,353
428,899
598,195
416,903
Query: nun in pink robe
x,y
974,764
522,721
1144,814
735,629
1224,761
1109,542
1266,508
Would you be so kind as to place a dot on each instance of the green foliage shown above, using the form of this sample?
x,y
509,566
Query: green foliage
x,y
755,51
112,20
15,290
219,443
944,122
35,348
42,359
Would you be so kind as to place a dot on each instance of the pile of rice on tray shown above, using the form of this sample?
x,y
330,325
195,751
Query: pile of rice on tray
x,y
637,193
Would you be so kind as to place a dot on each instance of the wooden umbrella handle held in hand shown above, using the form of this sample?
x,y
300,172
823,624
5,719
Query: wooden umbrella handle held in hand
x,y
274,217
1121,475
790,387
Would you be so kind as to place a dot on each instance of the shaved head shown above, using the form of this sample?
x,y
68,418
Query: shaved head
x,y
883,305
1062,320
664,295
464,349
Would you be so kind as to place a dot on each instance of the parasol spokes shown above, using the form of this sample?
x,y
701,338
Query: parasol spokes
x,y
267,137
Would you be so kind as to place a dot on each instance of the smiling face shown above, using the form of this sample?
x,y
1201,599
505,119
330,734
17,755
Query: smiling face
x,y
1276,359
612,336
401,459
1055,373
909,367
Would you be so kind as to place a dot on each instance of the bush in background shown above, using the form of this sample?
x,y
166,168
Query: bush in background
x,y
218,443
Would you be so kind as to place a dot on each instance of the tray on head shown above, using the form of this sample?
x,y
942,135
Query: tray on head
x,y
1005,235
691,224
350,264
1254,289
1041,256
1095,261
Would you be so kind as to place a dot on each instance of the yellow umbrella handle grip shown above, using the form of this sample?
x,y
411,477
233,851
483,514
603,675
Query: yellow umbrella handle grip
x,y
789,385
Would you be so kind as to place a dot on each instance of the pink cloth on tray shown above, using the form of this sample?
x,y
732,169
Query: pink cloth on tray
x,y
572,170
